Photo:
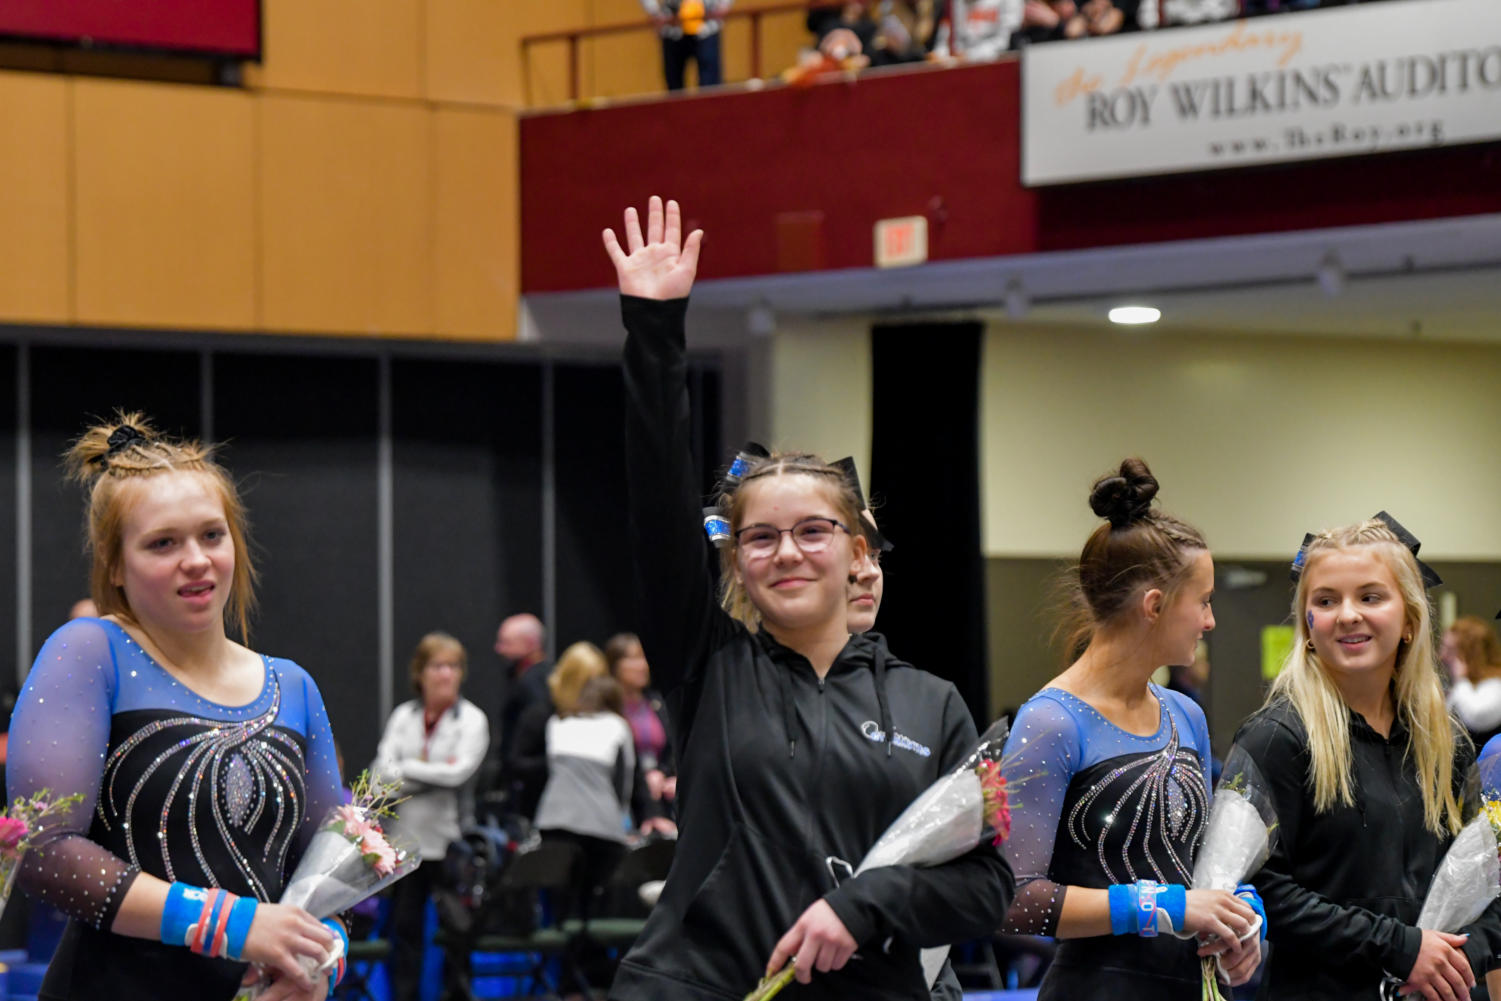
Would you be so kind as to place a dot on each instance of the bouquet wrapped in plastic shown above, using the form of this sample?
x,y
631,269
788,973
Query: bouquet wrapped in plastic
x,y
1467,880
349,859
968,806
20,826
1237,841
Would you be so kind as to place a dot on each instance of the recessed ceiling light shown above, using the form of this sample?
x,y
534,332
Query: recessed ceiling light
x,y
1135,314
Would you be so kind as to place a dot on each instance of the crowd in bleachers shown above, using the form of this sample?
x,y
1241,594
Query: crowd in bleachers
x,y
886,32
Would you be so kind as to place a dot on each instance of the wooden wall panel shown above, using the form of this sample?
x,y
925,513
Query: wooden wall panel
x,y
621,65
346,209
475,222
165,205
542,74
624,65
344,47
34,198
472,51
782,35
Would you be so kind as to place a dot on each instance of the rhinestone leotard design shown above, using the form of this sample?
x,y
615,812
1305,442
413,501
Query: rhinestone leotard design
x,y
174,785
1096,805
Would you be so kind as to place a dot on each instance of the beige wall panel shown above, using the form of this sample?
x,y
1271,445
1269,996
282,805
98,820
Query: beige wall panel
x,y
346,196
476,218
34,198
165,205
820,388
1254,439
368,47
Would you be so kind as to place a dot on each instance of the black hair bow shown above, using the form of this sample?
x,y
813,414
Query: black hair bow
x,y
1430,576
873,534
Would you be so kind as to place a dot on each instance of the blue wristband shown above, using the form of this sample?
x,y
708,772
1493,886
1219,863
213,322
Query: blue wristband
x,y
238,930
1146,907
1122,908
1247,892
184,904
1172,902
337,973
1147,892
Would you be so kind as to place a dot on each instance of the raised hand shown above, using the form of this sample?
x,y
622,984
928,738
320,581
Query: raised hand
x,y
664,264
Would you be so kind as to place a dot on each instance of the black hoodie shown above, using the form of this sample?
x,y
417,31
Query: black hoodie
x,y
781,775
1343,889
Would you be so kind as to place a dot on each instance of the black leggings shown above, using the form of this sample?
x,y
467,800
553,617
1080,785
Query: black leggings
x,y
409,898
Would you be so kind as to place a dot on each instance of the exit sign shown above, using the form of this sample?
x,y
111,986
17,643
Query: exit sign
x,y
901,242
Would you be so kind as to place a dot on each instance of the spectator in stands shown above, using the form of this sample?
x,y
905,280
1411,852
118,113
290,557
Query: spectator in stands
x,y
1472,655
432,745
690,31
843,32
526,767
644,711
1251,8
520,645
1049,21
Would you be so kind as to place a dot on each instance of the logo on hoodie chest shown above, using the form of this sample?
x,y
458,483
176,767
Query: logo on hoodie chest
x,y
873,732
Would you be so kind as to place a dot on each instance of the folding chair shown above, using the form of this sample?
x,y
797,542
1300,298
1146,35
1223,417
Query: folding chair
x,y
645,861
541,866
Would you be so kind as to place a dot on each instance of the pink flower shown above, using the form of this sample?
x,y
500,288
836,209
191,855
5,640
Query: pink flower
x,y
12,831
352,820
378,852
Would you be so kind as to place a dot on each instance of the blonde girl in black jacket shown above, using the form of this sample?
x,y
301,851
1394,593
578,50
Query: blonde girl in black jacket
x,y
1367,771
797,743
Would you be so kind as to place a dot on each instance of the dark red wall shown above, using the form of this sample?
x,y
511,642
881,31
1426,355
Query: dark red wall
x,y
226,27
793,179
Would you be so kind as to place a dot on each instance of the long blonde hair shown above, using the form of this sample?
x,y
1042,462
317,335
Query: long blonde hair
x,y
1419,696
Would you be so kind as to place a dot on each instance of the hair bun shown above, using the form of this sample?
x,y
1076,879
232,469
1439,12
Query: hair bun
x,y
1126,496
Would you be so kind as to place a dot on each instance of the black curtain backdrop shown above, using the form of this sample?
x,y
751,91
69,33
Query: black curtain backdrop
x,y
596,594
925,481
467,522
301,438
70,388
301,434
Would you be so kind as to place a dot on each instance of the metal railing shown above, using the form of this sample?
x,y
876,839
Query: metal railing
x,y
574,36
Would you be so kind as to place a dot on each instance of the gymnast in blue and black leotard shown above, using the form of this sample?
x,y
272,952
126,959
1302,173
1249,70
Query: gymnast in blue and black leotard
x,y
1108,772
204,767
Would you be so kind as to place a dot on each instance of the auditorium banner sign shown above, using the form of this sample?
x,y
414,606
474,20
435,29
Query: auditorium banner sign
x,y
1370,78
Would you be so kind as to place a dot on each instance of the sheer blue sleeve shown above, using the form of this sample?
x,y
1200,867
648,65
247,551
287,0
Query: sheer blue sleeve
x,y
1198,725
324,787
59,737
1490,768
1042,756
